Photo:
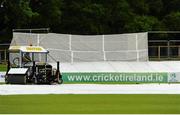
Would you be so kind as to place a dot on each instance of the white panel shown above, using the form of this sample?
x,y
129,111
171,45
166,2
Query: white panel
x,y
17,70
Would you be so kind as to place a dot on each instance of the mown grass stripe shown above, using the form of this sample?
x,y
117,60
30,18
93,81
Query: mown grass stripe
x,y
90,104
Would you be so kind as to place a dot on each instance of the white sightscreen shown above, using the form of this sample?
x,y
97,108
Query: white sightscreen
x,y
88,48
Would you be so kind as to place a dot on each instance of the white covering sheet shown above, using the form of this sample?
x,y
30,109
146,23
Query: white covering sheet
x,y
90,89
149,66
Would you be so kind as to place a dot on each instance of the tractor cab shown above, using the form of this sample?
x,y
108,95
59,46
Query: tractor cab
x,y
23,56
28,64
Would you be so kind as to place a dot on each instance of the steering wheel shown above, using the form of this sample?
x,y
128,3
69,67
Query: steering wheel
x,y
16,61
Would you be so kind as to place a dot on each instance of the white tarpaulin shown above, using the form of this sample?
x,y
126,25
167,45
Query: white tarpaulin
x,y
110,66
2,74
90,89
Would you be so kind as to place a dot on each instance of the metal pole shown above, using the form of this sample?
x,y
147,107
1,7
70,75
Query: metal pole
x,y
103,48
137,48
36,29
20,59
5,58
159,52
38,41
168,50
72,56
164,32
70,48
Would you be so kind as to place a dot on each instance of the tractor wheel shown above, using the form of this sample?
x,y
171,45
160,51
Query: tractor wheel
x,y
34,80
60,81
6,81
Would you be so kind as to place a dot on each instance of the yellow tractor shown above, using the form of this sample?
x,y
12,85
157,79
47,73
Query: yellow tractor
x,y
28,65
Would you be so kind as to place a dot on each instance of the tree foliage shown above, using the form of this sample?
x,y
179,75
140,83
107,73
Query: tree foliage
x,y
90,16
143,23
172,21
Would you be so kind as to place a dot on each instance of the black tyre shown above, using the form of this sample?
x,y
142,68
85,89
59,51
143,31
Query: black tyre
x,y
6,80
60,81
34,80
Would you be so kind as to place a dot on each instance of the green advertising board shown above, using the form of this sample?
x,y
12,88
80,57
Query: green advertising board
x,y
105,77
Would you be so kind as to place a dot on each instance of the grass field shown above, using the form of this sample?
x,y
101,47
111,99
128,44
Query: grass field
x,y
90,104
3,67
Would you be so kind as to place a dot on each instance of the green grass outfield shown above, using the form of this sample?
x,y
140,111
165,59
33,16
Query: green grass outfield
x,y
90,104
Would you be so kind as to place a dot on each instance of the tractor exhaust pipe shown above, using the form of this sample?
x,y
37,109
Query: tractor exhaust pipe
x,y
58,74
58,66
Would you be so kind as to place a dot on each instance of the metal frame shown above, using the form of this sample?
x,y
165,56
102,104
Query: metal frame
x,y
161,32
159,57
30,30
168,44
4,51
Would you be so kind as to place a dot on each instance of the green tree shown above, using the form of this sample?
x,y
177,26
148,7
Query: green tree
x,y
14,14
49,13
81,17
139,7
143,24
155,8
90,16
118,14
171,6
172,21
95,17
18,13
